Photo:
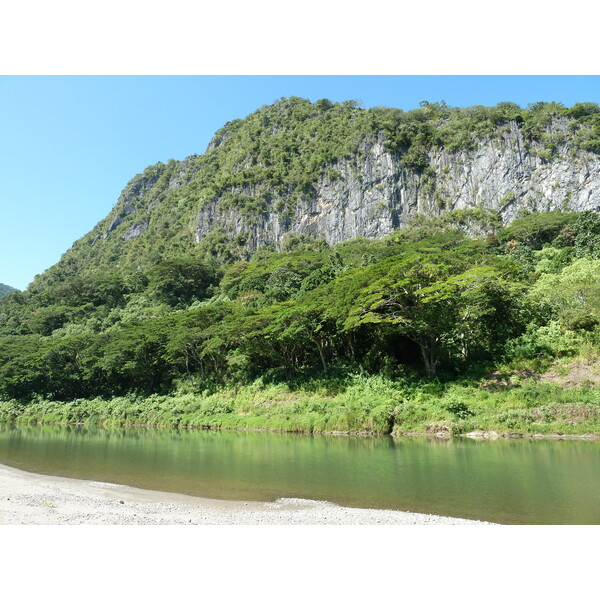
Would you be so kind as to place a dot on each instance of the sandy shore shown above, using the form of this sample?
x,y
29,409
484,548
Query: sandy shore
x,y
33,499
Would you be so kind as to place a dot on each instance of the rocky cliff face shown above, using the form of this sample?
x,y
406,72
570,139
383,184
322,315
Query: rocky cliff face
x,y
371,195
249,186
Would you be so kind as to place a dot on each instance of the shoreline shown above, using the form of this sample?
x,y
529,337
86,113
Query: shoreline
x,y
444,433
35,499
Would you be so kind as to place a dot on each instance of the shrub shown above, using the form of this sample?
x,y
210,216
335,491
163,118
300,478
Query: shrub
x,y
458,408
546,341
515,418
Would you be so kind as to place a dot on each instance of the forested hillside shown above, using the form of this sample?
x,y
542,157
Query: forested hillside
x,y
431,328
335,171
324,267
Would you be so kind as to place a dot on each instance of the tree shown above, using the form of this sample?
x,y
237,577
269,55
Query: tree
x,y
537,229
180,281
586,230
447,309
574,293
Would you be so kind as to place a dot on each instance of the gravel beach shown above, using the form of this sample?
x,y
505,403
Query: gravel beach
x,y
34,499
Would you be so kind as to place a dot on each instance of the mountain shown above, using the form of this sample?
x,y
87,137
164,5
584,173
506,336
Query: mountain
x,y
337,171
416,271
6,289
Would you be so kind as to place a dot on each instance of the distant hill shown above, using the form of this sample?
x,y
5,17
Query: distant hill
x,y
6,289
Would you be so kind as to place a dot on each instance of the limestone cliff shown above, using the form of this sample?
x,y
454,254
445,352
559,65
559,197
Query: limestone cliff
x,y
366,192
375,194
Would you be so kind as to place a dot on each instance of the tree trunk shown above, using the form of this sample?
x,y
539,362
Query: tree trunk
x,y
319,346
351,345
428,351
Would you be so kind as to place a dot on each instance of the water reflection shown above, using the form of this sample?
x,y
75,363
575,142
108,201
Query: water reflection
x,y
509,481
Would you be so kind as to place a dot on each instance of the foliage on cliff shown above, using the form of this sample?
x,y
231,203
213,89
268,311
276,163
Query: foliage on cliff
x,y
267,162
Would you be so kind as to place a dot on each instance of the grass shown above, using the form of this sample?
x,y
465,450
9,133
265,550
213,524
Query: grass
x,y
353,403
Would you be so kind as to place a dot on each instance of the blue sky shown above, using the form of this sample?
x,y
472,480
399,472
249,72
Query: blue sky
x,y
69,144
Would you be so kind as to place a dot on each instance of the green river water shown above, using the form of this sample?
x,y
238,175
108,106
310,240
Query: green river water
x,y
505,481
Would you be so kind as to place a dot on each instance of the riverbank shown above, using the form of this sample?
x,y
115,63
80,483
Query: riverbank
x,y
361,405
35,499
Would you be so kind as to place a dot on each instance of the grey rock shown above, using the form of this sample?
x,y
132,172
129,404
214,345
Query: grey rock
x,y
375,194
135,231
372,193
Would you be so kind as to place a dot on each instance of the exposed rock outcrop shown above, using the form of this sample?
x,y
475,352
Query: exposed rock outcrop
x,y
373,194
251,190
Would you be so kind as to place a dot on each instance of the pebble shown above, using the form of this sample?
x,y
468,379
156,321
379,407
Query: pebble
x,y
84,502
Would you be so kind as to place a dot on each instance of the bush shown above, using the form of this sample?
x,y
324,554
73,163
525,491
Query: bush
x,y
546,341
516,419
459,409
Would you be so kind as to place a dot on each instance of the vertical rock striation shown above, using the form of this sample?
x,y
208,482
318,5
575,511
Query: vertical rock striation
x,y
373,193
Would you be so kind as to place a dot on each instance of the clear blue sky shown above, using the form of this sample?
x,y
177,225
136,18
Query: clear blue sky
x,y
69,145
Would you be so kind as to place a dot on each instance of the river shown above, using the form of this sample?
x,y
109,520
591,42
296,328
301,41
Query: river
x,y
504,481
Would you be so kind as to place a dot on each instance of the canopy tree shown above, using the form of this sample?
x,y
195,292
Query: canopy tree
x,y
439,302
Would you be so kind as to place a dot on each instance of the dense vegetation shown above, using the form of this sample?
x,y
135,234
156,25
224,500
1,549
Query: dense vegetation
x,y
274,157
430,329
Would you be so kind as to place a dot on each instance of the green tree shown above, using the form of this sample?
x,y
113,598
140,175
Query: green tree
x,y
447,309
180,281
586,229
574,293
